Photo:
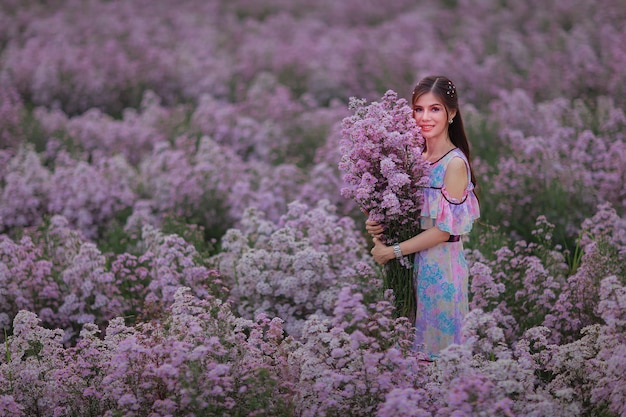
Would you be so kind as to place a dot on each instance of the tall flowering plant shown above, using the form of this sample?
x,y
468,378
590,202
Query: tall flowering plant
x,y
385,173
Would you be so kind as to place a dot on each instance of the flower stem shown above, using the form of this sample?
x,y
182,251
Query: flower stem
x,y
399,274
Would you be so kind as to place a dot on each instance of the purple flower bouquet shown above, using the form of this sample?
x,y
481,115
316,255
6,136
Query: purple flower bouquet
x,y
385,173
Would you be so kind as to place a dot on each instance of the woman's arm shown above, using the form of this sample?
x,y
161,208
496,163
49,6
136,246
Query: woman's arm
x,y
427,239
455,180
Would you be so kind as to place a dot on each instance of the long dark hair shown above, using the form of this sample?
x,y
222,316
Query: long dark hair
x,y
445,90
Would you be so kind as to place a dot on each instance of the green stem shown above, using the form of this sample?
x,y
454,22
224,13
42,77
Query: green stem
x,y
398,277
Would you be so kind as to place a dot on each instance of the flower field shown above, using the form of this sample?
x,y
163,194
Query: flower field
x,y
173,240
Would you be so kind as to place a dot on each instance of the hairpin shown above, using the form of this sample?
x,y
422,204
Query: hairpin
x,y
451,91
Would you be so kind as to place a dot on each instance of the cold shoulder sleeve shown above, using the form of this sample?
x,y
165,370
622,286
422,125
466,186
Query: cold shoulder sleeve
x,y
454,216
445,212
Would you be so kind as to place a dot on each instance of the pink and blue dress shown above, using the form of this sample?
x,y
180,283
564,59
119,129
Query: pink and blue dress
x,y
441,273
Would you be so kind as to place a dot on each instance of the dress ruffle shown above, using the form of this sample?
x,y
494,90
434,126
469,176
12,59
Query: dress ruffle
x,y
449,214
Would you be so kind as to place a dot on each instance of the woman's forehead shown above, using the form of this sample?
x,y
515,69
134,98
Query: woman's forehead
x,y
427,99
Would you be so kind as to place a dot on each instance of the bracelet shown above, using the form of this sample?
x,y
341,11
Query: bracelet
x,y
397,251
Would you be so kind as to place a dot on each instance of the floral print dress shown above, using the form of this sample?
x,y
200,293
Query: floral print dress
x,y
441,273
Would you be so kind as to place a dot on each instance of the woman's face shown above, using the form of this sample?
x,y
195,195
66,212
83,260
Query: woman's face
x,y
431,116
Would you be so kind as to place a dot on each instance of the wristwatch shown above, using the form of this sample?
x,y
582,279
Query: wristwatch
x,y
397,251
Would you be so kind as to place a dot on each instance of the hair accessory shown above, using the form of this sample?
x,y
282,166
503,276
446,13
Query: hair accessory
x,y
451,89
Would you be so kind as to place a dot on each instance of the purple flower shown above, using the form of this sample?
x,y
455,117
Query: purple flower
x,y
381,159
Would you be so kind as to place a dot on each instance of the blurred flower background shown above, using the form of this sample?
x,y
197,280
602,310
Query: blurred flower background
x,y
173,240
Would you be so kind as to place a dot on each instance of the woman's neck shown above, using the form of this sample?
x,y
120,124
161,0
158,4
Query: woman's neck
x,y
436,148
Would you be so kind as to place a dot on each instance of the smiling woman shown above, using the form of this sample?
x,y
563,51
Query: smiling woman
x,y
449,210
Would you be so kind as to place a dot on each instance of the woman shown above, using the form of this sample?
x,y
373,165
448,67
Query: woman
x,y
449,210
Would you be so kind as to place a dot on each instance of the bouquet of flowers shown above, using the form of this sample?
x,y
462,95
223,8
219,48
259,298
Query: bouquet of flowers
x,y
385,173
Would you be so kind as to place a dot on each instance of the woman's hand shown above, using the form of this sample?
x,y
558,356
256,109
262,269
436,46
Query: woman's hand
x,y
374,229
381,252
